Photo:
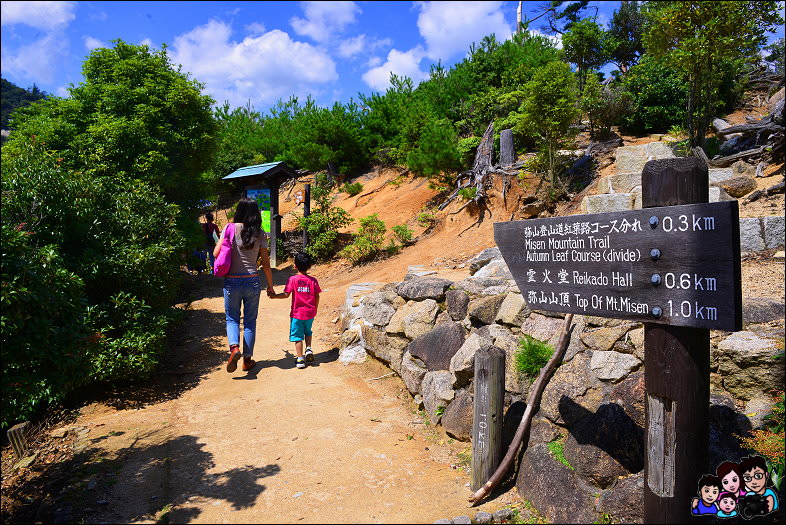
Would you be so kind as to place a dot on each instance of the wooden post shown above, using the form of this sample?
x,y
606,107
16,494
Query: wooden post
x,y
275,223
488,413
676,370
17,435
507,153
306,212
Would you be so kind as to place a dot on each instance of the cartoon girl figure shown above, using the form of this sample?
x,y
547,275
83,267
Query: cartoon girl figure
x,y
730,476
727,505
709,489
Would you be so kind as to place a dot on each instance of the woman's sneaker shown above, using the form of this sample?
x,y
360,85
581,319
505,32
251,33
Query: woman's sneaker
x,y
309,355
300,362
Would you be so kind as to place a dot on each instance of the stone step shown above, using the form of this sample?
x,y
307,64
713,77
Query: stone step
x,y
625,182
631,200
631,159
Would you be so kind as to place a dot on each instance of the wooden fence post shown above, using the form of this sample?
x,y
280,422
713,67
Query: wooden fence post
x,y
306,212
676,370
488,413
507,153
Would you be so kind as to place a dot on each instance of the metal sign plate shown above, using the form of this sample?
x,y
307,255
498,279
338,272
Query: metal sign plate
x,y
677,265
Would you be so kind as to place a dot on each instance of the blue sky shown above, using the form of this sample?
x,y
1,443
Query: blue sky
x,y
258,51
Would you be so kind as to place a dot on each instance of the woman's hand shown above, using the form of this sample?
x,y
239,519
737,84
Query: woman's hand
x,y
271,293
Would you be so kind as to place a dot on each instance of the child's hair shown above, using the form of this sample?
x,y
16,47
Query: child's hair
x,y
708,480
303,261
751,462
247,212
209,216
727,495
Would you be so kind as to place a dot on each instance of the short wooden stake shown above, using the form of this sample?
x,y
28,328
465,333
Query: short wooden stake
x,y
488,413
17,435
676,371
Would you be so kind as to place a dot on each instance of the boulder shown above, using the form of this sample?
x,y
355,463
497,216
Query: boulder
x,y
457,419
757,410
495,268
514,381
421,288
513,310
718,194
389,349
606,445
542,327
623,502
553,488
612,366
751,238
608,202
353,355
572,394
437,392
743,168
604,338
414,318
619,183
482,259
376,308
774,99
462,364
629,394
437,347
532,209
749,365
761,310
412,372
725,424
542,431
352,299
636,338
457,301
478,285
773,231
485,309
739,186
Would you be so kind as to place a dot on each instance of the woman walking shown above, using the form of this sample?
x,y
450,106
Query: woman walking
x,y
241,284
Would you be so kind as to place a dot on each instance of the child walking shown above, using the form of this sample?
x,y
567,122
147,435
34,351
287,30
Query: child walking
x,y
305,291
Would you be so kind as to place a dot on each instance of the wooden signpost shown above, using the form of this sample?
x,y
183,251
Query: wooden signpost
x,y
675,266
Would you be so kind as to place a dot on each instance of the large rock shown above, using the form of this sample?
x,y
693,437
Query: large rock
x,y
542,327
457,301
480,285
495,268
389,349
773,231
718,194
485,309
773,100
623,502
376,308
631,159
718,176
353,355
514,381
750,365
604,338
352,301
414,318
457,419
513,310
572,394
613,366
725,424
421,288
437,392
482,259
608,202
553,488
412,372
437,347
739,186
629,394
761,310
606,445
619,183
751,238
462,364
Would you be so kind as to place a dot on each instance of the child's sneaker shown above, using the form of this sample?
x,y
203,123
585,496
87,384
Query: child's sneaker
x,y
234,357
309,355
300,362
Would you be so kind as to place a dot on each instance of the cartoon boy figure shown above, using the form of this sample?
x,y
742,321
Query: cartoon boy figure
x,y
709,489
727,505
755,476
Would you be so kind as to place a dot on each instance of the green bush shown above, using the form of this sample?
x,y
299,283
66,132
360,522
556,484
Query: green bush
x,y
468,193
466,150
403,233
352,189
659,97
426,219
324,221
436,150
368,241
531,356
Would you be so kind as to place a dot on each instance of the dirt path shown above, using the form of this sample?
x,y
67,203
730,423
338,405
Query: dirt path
x,y
320,445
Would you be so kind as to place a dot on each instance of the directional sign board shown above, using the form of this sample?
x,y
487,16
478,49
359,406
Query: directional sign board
x,y
677,265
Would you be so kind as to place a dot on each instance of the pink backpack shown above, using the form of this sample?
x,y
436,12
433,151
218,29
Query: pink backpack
x,y
224,259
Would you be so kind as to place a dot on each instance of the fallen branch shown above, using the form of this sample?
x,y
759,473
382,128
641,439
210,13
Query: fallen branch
x,y
725,162
533,403
772,190
380,377
377,189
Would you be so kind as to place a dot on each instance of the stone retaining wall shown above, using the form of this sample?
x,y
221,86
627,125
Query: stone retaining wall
x,y
427,329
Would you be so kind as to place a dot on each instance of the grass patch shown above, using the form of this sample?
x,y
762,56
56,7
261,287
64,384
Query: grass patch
x,y
531,356
557,450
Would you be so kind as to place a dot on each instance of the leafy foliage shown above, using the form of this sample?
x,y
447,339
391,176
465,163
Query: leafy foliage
x,y
426,219
625,43
587,46
531,356
368,241
769,440
468,193
658,97
604,105
323,223
352,189
402,233
14,97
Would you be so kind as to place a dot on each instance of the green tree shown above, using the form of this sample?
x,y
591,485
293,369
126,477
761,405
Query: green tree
x,y
604,106
586,46
323,223
775,56
700,39
658,97
240,140
625,35
135,116
13,97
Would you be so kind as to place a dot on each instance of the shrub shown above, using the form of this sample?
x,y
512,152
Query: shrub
x,y
368,241
324,221
531,356
392,248
352,189
426,219
768,441
468,193
403,233
659,97
436,150
467,148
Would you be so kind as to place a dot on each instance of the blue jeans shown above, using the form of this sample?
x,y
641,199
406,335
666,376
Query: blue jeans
x,y
243,290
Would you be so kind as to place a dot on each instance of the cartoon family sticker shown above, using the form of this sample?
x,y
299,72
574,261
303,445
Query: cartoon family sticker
x,y
736,489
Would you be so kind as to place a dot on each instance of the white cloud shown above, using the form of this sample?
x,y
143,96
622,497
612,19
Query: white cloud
x,y
556,40
450,28
260,68
146,42
41,15
360,44
255,28
38,60
62,91
92,43
324,19
398,62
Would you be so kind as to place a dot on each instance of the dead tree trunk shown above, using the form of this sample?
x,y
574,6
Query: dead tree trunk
x,y
478,175
507,153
